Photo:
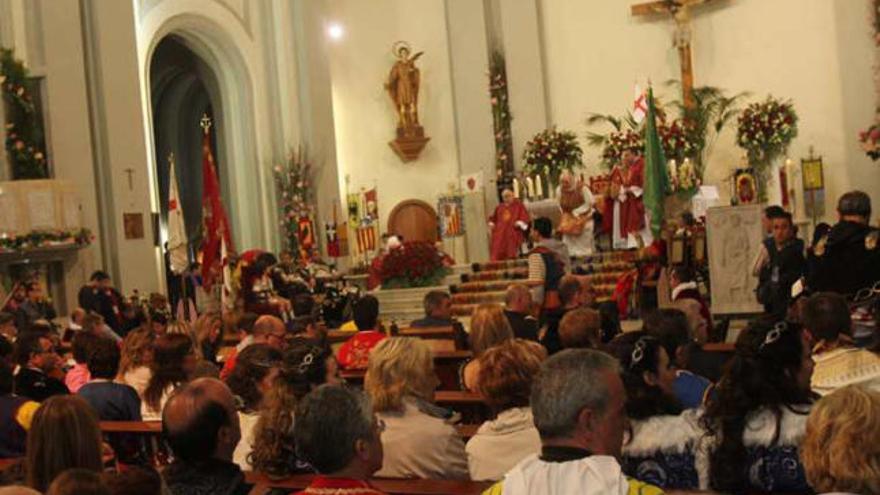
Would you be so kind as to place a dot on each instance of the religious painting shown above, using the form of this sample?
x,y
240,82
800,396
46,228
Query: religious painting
x,y
133,225
450,213
745,189
812,174
734,235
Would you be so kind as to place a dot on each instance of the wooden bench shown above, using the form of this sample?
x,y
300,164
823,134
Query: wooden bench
x,y
472,407
446,365
263,484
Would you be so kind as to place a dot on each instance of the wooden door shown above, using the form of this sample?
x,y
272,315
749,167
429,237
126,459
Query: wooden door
x,y
415,220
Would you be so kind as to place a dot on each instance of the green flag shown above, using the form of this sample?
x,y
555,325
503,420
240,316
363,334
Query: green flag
x,y
656,180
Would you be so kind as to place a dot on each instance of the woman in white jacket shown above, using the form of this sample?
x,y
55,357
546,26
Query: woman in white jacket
x,y
505,382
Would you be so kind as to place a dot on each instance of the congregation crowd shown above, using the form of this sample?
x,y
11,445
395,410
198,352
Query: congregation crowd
x,y
578,406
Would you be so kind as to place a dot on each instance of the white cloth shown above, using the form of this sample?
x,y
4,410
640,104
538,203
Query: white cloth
x,y
630,241
594,475
667,434
418,445
502,443
246,444
682,287
150,414
244,343
137,378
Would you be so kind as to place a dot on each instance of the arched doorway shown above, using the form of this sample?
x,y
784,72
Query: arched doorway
x,y
181,87
415,220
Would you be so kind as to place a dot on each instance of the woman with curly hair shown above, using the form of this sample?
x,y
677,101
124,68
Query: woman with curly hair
x,y
137,356
659,447
756,418
174,360
304,367
251,379
840,450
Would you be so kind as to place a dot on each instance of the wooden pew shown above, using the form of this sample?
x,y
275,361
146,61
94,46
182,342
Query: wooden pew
x,y
471,406
386,485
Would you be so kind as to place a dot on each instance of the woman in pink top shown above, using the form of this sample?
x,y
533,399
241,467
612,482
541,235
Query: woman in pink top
x,y
79,375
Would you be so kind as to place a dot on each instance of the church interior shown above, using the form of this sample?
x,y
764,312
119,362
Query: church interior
x,y
439,246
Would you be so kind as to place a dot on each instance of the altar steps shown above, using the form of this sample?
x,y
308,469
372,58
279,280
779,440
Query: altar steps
x,y
488,282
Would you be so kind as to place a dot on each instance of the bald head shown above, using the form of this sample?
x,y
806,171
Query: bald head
x,y
200,422
270,330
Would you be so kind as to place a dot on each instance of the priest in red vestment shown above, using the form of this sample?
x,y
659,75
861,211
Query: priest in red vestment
x,y
624,206
508,223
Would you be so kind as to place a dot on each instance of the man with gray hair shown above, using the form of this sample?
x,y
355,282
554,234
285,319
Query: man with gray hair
x,y
847,259
578,402
337,433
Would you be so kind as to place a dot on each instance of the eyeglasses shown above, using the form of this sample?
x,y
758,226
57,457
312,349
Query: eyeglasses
x,y
773,335
867,293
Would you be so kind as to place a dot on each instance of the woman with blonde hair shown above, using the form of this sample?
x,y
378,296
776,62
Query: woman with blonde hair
x,y
840,452
64,435
136,358
419,440
207,331
489,328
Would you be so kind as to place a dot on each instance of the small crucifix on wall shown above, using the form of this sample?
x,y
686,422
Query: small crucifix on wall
x,y
680,10
130,172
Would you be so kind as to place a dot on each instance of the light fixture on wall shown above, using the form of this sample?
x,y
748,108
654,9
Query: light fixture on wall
x,y
335,31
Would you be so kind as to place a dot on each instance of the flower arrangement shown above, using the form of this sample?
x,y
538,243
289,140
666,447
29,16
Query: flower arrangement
x,y
618,142
295,202
765,131
683,178
870,140
414,264
551,152
23,131
677,140
43,238
501,117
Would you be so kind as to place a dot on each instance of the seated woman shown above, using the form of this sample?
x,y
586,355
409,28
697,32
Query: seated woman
x,y
303,368
839,452
64,435
259,293
660,444
672,329
756,418
174,360
419,439
505,383
208,330
137,356
489,328
253,376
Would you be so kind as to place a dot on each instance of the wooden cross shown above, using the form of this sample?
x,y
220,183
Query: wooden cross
x,y
129,172
680,10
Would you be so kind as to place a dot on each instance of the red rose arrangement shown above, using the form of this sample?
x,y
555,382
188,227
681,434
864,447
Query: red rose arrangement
x,y
870,140
414,264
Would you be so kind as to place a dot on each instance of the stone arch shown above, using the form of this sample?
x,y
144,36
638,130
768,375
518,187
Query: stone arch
x,y
222,50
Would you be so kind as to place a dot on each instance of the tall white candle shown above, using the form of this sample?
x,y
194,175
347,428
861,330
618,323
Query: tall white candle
x,y
530,185
539,190
516,187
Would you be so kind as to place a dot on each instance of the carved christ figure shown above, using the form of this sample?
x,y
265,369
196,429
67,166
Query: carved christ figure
x,y
403,86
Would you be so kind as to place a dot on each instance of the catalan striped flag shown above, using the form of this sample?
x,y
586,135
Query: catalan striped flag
x,y
366,238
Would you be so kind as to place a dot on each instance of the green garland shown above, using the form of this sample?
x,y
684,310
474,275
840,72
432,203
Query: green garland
x,y
501,117
23,134
42,238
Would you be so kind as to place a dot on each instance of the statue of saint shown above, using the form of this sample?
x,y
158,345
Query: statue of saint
x,y
403,86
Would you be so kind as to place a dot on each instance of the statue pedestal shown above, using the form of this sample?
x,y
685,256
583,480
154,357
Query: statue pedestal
x,y
409,143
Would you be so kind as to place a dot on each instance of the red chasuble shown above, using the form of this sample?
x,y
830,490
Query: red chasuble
x,y
632,208
322,485
506,236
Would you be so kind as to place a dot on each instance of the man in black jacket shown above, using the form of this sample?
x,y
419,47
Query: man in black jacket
x,y
36,358
783,267
517,305
847,259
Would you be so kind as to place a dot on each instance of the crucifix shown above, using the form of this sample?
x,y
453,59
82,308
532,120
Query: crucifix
x,y
680,10
129,172
205,123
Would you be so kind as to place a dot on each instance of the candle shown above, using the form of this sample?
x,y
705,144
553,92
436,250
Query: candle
x,y
530,185
539,190
516,188
671,166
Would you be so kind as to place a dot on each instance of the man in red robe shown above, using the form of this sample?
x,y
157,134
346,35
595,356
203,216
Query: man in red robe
x,y
508,223
624,206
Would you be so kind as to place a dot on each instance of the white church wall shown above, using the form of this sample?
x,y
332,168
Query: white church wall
x,y
363,114
811,51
